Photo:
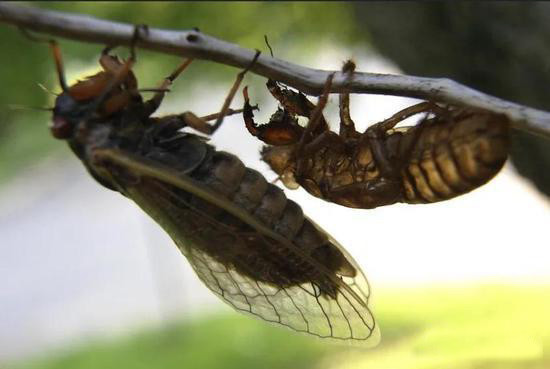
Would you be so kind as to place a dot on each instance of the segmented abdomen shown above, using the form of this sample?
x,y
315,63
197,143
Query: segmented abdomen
x,y
454,156
247,188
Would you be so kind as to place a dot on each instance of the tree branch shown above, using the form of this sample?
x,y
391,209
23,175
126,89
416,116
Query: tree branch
x,y
198,45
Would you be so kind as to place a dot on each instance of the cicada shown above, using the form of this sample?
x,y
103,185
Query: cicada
x,y
450,152
246,241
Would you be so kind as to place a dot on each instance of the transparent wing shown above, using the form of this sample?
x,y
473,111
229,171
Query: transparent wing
x,y
253,269
301,308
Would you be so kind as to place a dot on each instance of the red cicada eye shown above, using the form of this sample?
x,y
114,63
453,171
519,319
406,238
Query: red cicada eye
x,y
61,128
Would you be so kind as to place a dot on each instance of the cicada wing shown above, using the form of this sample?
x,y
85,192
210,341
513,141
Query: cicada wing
x,y
342,316
357,292
359,283
301,307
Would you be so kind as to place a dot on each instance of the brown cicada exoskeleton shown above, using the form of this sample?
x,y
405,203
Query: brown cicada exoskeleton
x,y
450,152
246,241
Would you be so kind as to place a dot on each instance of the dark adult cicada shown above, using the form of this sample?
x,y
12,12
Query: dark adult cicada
x,y
246,241
449,153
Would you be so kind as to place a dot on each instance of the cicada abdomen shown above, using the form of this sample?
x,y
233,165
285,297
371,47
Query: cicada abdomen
x,y
452,154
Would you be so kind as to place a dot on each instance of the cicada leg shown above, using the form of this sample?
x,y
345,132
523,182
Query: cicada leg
x,y
190,119
382,127
310,132
375,137
56,51
121,73
231,95
152,104
229,112
369,195
282,129
347,126
295,102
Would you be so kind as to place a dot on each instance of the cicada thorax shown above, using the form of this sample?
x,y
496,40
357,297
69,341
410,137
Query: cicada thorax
x,y
452,154
339,172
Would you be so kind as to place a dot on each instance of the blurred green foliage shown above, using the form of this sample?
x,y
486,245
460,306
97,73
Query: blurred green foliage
x,y
294,29
219,342
481,327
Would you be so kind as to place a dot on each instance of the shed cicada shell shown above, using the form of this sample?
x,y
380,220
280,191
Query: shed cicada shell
x,y
246,241
450,152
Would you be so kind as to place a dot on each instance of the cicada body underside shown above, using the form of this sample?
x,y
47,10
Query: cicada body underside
x,y
453,154
449,153
246,241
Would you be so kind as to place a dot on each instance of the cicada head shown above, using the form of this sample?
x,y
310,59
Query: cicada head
x,y
67,114
101,95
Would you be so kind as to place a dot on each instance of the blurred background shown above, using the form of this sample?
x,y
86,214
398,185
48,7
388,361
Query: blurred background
x,y
89,281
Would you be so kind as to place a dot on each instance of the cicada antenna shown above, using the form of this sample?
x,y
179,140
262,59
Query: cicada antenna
x,y
24,107
56,56
44,88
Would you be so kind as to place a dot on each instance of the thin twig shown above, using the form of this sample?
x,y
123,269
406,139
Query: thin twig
x,y
194,44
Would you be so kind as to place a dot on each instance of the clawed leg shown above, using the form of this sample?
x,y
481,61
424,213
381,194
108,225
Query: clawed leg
x,y
295,102
282,129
